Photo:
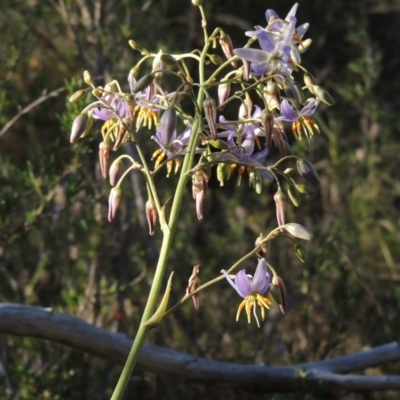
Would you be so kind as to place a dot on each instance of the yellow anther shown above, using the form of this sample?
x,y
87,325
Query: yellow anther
x,y
177,165
170,165
156,153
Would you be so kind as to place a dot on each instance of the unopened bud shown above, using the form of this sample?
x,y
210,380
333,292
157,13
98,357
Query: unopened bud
x,y
215,59
305,45
151,214
197,3
142,83
116,171
194,283
307,171
81,126
267,119
298,231
293,195
299,92
104,152
219,144
303,189
264,247
168,59
272,89
113,202
222,173
227,47
277,281
309,81
134,45
158,65
280,204
199,190
77,95
291,93
168,124
255,181
210,112
323,95
300,252
295,55
120,138
246,71
87,78
224,90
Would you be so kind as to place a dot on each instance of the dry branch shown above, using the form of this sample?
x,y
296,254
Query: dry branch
x,y
73,332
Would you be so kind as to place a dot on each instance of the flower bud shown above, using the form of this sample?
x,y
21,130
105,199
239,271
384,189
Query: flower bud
x,y
151,214
77,95
303,189
299,92
194,283
210,112
116,171
197,3
272,89
307,171
215,59
280,203
267,120
113,202
304,45
87,78
300,252
199,189
81,126
227,47
293,195
120,138
104,151
264,247
298,231
134,45
246,71
277,282
168,124
295,55
255,181
168,59
219,144
309,82
224,90
222,173
291,93
142,83
158,65
323,95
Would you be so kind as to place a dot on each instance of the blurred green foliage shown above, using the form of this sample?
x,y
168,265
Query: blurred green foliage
x,y
57,249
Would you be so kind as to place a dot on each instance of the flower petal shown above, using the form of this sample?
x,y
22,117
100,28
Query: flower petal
x,y
267,41
261,278
243,286
287,112
253,55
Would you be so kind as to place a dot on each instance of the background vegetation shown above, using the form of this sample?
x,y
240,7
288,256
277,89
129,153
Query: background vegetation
x,y
57,249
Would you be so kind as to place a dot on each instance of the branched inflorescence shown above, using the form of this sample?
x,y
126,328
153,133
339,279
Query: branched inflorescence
x,y
262,80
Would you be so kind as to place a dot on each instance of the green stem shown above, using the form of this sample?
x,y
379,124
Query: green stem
x,y
168,234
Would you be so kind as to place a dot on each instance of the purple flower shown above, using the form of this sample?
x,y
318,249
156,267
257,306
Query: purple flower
x,y
300,119
278,44
116,105
291,115
252,289
274,55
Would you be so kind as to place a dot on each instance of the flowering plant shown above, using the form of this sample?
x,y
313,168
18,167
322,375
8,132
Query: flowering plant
x,y
198,143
